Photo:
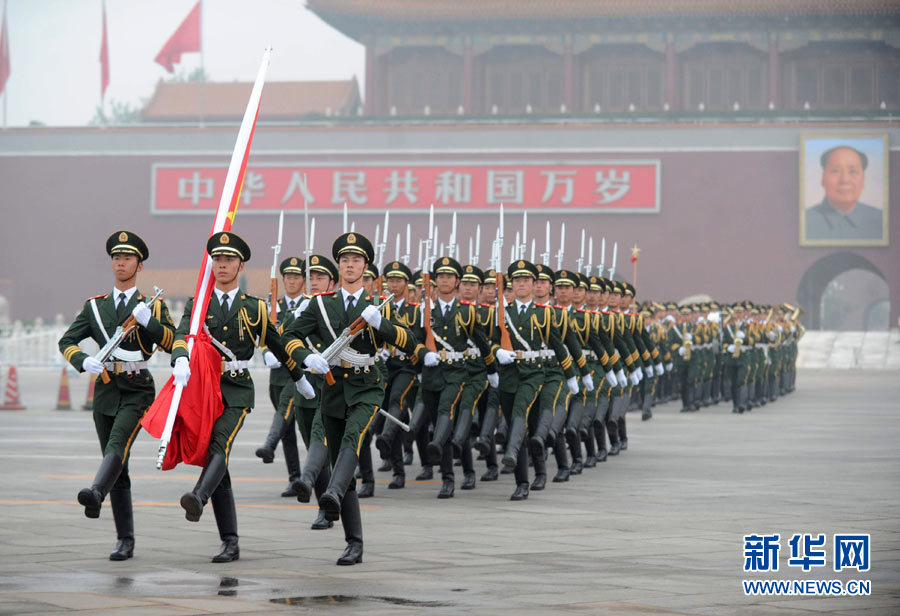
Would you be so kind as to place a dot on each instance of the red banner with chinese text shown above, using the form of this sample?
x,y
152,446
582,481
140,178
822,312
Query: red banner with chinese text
x,y
618,186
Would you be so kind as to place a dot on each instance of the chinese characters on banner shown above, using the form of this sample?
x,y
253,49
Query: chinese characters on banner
x,y
626,186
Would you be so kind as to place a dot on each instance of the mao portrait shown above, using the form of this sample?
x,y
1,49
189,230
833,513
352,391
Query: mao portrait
x,y
844,191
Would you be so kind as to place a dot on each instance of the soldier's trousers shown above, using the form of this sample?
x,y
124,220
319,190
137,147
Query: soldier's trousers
x,y
223,434
117,432
517,405
283,399
348,432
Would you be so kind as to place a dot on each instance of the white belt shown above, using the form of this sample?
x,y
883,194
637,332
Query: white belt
x,y
398,354
451,356
349,358
528,355
589,354
130,367
476,352
236,365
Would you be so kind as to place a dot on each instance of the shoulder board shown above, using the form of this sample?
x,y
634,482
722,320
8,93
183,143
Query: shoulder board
x,y
325,293
581,310
487,305
541,305
465,303
102,296
247,296
382,297
412,303
559,307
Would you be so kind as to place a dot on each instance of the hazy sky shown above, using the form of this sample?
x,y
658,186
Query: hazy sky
x,y
55,50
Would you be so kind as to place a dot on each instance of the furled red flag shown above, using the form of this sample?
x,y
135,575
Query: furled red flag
x,y
5,67
104,59
186,39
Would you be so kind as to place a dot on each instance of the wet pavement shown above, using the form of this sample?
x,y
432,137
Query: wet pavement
x,y
656,530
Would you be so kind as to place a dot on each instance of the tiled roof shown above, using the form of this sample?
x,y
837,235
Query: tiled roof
x,y
281,100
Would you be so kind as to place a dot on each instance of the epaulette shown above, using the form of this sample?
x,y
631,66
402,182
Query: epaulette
x,y
412,303
465,303
487,305
541,305
581,310
322,293
102,296
559,307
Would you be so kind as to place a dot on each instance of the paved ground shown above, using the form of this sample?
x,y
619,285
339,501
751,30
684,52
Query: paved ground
x,y
657,530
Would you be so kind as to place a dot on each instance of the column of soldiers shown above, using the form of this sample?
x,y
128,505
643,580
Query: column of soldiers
x,y
557,372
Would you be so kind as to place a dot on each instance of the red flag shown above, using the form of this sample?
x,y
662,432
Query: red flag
x,y
186,39
104,59
5,68
201,406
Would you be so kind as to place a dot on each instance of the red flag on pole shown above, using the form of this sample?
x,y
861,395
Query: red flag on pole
x,y
104,58
5,67
186,39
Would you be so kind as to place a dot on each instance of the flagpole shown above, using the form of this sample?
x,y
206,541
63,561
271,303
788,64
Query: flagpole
x,y
202,70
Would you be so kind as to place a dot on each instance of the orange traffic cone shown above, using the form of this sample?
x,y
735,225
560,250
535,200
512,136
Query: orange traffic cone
x,y
63,401
89,402
12,402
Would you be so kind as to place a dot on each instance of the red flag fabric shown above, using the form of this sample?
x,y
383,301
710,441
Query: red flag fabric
x,y
5,66
186,39
201,405
104,58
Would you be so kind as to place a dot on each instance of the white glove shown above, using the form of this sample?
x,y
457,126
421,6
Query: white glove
x,y
419,376
573,385
611,378
299,309
681,351
588,382
741,335
92,366
635,377
620,376
494,380
271,360
793,329
305,388
182,371
688,337
648,372
384,354
670,366
432,359
772,336
731,348
670,318
505,357
141,314
659,369
316,363
780,328
372,315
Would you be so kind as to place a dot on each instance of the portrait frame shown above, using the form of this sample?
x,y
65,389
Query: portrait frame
x,y
875,191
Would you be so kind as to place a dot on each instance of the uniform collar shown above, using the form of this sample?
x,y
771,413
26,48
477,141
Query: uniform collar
x,y
445,305
519,305
346,294
231,294
128,293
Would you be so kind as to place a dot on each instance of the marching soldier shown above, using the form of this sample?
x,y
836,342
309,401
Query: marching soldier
x,y
237,324
282,428
350,404
401,386
488,404
454,326
530,328
120,402
316,472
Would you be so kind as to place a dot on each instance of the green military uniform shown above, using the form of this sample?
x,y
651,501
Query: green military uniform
x,y
236,326
488,406
349,406
119,404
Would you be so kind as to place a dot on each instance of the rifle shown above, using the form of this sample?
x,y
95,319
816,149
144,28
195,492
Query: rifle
x,y
612,270
122,331
562,246
345,338
430,342
505,341
273,275
545,256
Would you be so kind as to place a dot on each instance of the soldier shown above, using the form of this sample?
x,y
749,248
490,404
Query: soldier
x,y
530,328
401,385
282,428
316,472
237,323
488,404
120,403
454,326
351,403
366,469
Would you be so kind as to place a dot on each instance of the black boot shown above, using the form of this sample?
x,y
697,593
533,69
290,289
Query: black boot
x,y
623,436
226,519
600,437
92,498
590,446
291,460
612,428
352,523
442,428
193,502
341,476
502,430
398,482
521,475
367,471
562,460
514,442
124,517
276,431
446,488
485,439
540,472
468,481
462,431
316,460
537,442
